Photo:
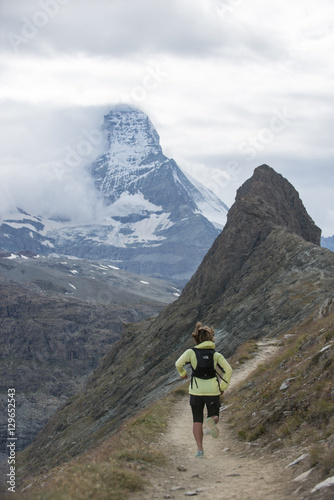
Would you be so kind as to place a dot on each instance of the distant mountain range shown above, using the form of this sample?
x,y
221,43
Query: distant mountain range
x,y
328,242
157,221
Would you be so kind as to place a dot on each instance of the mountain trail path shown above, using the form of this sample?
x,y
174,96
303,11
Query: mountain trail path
x,y
230,469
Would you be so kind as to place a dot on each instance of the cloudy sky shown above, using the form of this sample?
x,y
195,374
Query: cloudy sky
x,y
229,85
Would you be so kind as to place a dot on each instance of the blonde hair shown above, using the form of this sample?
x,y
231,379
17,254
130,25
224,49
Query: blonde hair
x,y
202,333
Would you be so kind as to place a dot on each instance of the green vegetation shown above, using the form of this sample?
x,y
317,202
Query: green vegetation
x,y
290,400
244,353
89,480
114,468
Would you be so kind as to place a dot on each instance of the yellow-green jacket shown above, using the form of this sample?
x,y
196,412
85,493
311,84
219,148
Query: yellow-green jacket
x,y
202,387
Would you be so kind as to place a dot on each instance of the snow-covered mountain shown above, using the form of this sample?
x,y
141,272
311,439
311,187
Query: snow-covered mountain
x,y
156,220
134,163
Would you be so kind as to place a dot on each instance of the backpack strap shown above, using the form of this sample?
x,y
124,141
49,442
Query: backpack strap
x,y
219,376
192,372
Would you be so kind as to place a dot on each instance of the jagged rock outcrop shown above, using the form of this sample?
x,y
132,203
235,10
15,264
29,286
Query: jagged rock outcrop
x,y
267,204
264,274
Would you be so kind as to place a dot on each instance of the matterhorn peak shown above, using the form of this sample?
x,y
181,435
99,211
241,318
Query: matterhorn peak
x,y
135,164
133,151
130,127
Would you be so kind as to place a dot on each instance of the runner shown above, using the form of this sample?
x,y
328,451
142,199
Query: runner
x,y
205,388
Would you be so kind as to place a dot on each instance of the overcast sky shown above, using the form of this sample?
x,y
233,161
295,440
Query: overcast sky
x,y
229,85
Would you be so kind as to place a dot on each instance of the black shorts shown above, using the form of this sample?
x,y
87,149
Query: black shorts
x,y
197,404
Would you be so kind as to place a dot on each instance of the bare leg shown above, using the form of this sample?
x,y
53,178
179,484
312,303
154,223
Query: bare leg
x,y
198,434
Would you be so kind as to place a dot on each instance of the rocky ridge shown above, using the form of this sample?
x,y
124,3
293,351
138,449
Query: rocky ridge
x,y
264,274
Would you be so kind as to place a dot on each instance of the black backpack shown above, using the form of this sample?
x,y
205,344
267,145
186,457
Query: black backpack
x,y
205,365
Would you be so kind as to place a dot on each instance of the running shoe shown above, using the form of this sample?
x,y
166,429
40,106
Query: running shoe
x,y
199,454
214,431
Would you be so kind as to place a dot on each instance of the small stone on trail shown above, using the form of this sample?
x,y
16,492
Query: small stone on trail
x,y
195,475
181,468
190,493
234,474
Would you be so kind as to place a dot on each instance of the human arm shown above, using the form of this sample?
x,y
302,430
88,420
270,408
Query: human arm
x,y
181,361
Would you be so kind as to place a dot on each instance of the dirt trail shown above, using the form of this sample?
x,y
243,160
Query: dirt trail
x,y
230,470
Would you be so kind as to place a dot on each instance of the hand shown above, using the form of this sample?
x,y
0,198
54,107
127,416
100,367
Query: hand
x,y
186,376
222,393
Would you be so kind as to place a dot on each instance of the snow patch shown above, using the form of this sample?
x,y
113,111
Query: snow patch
x,y
128,204
12,256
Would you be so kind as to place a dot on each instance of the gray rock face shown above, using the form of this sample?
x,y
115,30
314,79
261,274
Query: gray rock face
x,y
264,203
271,198
264,274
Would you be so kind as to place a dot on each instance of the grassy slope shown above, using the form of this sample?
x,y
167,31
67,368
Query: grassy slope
x,y
302,414
112,469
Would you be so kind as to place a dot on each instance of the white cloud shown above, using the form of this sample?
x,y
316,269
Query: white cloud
x,y
211,74
109,27
50,190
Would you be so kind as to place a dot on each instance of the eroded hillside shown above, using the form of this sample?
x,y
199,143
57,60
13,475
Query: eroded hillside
x,y
58,318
